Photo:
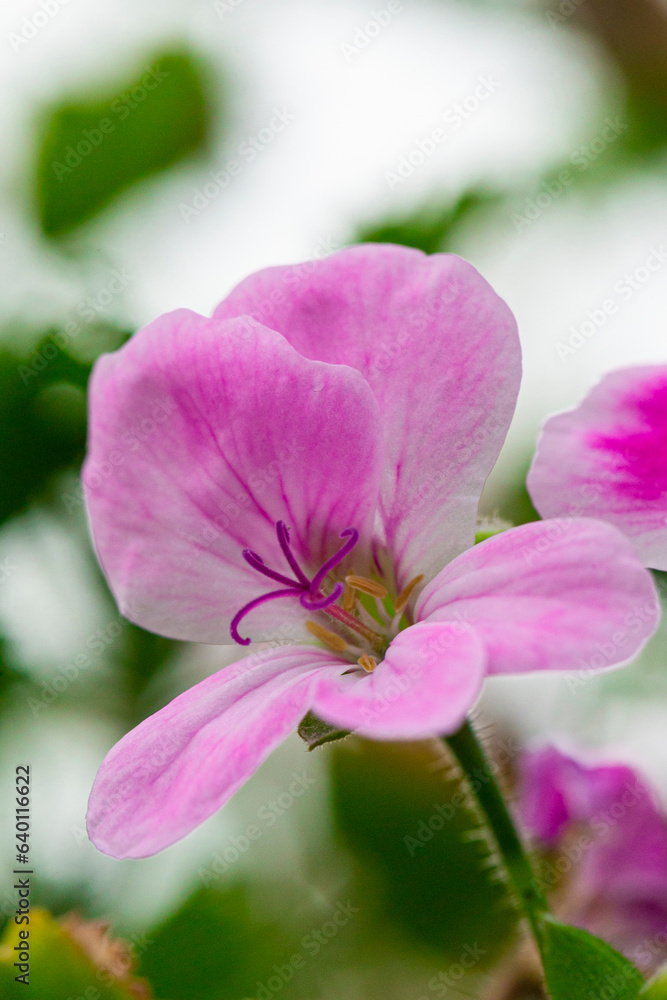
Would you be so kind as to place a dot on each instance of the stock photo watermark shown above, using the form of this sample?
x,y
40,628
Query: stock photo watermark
x,y
367,32
623,290
247,152
92,138
582,158
453,118
91,308
32,25
311,943
267,817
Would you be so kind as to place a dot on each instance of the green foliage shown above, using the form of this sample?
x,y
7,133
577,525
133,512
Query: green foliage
x,y
579,966
38,438
409,823
89,150
213,948
59,968
431,228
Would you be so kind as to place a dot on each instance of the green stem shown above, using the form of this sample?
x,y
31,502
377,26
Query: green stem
x,y
470,755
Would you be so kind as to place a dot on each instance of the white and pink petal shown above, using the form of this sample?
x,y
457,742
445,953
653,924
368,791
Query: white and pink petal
x,y
179,766
566,594
203,434
439,349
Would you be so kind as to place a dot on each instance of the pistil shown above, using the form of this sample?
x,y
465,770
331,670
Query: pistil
x,y
377,641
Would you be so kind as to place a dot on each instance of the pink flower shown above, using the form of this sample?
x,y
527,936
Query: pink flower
x,y
253,476
607,458
608,838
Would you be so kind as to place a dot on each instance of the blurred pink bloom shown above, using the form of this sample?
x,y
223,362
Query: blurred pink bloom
x,y
335,417
609,838
607,458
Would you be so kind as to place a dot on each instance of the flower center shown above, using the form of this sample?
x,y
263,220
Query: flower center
x,y
309,592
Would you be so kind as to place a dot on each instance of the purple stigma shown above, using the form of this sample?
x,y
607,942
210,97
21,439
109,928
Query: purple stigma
x,y
310,596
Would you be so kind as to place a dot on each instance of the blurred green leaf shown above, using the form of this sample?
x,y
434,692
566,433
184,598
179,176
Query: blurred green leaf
x,y
579,966
430,228
59,967
39,438
213,948
409,822
89,150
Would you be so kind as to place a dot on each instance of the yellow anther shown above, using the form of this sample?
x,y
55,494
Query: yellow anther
x,y
330,639
349,600
366,586
406,594
369,663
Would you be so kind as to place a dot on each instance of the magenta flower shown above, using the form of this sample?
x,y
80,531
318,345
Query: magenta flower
x,y
608,458
608,841
320,443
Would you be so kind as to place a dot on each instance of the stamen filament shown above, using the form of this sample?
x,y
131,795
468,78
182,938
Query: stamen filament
x,y
329,638
366,586
405,595
355,625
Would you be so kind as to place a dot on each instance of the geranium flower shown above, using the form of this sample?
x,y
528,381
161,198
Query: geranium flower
x,y
606,838
607,458
319,444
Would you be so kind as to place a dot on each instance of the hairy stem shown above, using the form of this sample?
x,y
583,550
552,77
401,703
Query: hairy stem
x,y
470,755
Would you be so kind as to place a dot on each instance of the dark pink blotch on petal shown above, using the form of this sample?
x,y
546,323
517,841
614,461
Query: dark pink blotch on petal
x,y
607,458
439,349
182,764
564,594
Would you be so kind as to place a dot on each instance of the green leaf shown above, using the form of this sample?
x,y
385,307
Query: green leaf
x,y
424,863
656,989
579,966
215,947
59,967
42,432
432,227
89,150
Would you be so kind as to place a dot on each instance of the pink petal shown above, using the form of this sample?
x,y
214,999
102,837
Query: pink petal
x,y
619,879
203,433
425,686
180,765
608,458
551,595
441,353
544,800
